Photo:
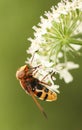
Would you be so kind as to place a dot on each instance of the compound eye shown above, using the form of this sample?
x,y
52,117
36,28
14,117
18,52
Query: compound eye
x,y
20,74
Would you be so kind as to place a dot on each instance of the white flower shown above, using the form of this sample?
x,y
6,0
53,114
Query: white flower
x,y
57,35
63,70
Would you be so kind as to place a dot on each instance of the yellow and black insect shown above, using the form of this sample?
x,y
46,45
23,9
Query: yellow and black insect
x,y
34,87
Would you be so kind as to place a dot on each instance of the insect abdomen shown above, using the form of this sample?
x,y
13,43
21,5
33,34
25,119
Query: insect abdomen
x,y
45,94
50,96
42,92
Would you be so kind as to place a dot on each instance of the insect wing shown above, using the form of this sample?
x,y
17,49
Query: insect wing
x,y
37,103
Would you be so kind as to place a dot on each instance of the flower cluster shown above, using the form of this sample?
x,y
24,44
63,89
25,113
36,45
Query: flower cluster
x,y
58,35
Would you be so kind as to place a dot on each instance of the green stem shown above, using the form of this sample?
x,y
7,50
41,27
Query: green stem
x,y
79,35
75,41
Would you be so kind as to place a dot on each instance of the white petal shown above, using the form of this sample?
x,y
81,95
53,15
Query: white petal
x,y
54,88
71,65
76,47
64,74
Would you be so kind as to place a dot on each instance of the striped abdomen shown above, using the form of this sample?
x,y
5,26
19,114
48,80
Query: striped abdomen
x,y
44,93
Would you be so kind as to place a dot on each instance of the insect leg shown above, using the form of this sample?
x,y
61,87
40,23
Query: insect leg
x,y
44,83
35,73
33,57
44,77
34,69
53,73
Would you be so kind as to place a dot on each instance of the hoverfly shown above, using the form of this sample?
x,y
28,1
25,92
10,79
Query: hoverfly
x,y
33,86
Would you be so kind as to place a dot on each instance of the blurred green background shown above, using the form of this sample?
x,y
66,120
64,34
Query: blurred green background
x,y
17,110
